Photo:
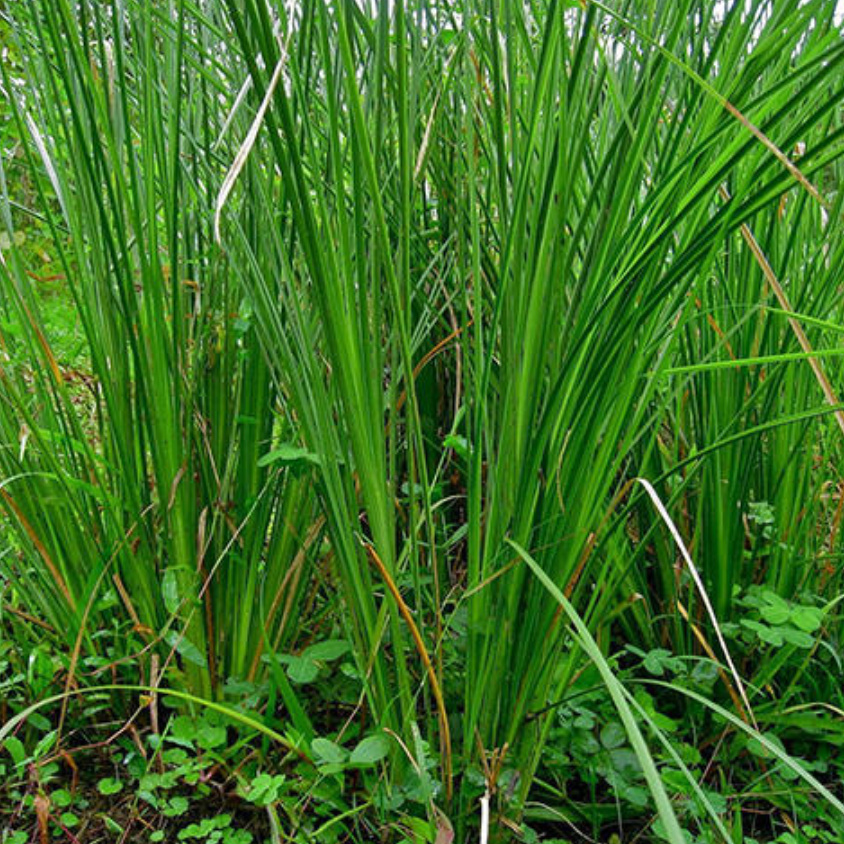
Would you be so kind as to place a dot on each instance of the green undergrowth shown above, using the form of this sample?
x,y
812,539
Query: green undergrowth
x,y
220,775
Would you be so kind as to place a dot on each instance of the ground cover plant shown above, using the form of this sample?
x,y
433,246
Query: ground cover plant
x,y
421,421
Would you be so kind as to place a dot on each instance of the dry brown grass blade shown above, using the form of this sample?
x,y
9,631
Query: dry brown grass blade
x,y
39,545
713,92
429,356
290,579
29,619
725,678
786,162
45,346
407,615
127,603
713,324
799,333
42,813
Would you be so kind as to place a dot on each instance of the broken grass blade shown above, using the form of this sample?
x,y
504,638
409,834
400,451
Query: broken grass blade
x,y
247,145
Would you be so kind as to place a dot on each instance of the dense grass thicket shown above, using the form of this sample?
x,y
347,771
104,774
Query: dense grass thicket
x,y
421,421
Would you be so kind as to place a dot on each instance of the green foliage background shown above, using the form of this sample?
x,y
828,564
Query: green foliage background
x,y
334,340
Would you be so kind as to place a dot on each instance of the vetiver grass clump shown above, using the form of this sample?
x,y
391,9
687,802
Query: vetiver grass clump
x,y
458,418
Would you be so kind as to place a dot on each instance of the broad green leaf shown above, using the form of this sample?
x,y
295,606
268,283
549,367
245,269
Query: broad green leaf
x,y
16,750
370,750
183,731
61,797
45,744
109,786
176,806
70,819
289,455
170,591
775,614
808,619
328,650
186,649
300,669
209,736
771,635
328,751
613,735
460,445
800,638
761,746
